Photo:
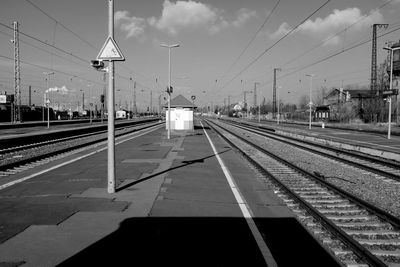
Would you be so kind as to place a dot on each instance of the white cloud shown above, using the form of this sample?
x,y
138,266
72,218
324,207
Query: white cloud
x,y
193,15
62,90
133,26
181,15
243,16
185,14
282,30
340,19
334,22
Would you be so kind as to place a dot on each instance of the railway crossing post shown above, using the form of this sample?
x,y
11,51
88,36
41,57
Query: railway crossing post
x,y
110,52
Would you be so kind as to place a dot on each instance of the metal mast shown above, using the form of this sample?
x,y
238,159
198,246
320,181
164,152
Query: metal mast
x,y
255,95
274,109
17,76
134,97
373,62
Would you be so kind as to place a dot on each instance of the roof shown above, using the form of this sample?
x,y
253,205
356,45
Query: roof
x,y
181,102
354,93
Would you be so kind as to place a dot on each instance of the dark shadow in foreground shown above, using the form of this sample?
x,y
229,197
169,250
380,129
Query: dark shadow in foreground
x,y
202,241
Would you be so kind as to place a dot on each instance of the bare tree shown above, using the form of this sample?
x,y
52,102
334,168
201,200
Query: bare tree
x,y
303,102
320,96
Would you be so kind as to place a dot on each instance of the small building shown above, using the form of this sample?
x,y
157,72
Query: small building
x,y
357,98
322,113
181,113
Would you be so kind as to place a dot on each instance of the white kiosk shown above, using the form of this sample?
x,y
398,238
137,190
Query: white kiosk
x,y
181,113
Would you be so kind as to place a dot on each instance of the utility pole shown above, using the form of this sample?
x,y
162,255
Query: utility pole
x,y
255,95
151,101
159,105
274,109
134,97
83,101
244,98
30,95
17,76
373,63
110,103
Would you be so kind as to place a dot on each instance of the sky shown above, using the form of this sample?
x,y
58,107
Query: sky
x,y
226,47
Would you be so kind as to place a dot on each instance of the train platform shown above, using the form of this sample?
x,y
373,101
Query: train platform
x,y
369,142
186,201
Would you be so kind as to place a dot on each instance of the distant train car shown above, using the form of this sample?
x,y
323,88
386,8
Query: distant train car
x,y
28,113
121,114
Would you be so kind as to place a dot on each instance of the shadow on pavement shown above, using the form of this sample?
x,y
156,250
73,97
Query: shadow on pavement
x,y
202,241
185,163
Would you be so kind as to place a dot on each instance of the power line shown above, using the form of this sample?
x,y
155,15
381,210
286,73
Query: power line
x,y
58,71
251,40
43,42
79,37
62,25
278,41
65,52
44,50
336,34
336,54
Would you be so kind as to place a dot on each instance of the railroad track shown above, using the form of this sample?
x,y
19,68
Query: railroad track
x,y
25,142
21,158
386,168
355,231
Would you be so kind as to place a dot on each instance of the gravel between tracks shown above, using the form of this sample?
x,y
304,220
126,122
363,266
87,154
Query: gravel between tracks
x,y
368,186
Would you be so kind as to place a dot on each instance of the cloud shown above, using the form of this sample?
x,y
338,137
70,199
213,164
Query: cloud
x,y
133,26
282,30
243,16
184,14
194,15
62,90
334,22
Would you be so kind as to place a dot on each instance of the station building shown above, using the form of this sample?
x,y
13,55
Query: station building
x,y
181,113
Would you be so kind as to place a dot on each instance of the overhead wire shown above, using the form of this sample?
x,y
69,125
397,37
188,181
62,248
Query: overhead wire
x,y
333,55
251,40
339,32
62,25
41,49
81,38
50,69
273,45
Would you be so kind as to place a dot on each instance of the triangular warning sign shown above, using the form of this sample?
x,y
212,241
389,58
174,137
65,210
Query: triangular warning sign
x,y
110,51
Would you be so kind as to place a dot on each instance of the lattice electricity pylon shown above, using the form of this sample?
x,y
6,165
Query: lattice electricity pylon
x,y
17,76
373,63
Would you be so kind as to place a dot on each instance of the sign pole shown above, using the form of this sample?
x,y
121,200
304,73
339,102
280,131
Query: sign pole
x,y
110,102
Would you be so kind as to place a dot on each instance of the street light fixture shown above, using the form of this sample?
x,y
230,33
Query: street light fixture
x,y
90,103
277,93
311,77
390,86
169,85
47,99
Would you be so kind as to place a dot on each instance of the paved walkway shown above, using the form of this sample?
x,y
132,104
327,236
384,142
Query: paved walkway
x,y
176,205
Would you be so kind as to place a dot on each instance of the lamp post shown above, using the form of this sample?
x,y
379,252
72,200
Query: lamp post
x,y
311,77
90,103
47,99
390,86
277,94
169,85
